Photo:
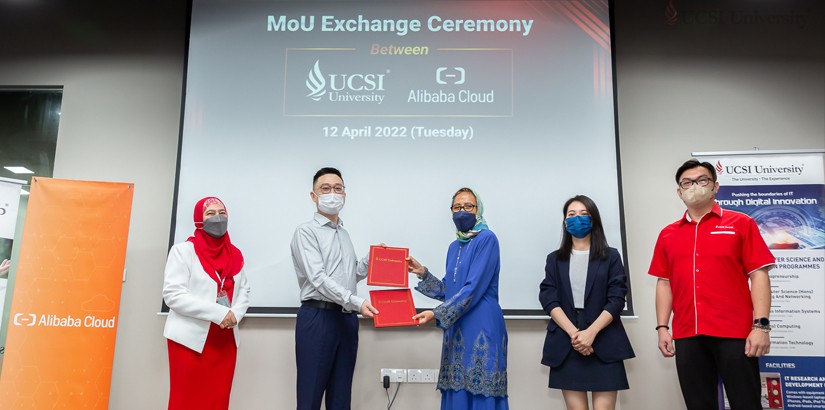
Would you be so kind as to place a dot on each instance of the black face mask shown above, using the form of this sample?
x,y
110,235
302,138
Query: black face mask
x,y
216,226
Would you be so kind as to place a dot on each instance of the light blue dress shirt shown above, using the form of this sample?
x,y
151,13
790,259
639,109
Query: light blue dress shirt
x,y
326,264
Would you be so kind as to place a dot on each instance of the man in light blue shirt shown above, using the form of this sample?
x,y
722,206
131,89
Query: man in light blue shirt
x,y
328,270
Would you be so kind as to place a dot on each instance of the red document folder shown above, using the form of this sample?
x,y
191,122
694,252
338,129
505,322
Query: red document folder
x,y
388,267
395,307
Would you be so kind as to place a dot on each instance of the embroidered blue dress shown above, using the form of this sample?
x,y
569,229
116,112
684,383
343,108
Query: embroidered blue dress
x,y
473,372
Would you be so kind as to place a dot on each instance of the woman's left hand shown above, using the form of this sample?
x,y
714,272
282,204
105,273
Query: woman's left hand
x,y
585,351
583,339
229,321
424,317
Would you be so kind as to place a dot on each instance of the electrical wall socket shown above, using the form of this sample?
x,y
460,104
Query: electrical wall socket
x,y
422,375
396,375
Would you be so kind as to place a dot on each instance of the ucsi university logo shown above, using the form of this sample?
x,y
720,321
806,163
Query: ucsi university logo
x,y
316,83
761,169
352,87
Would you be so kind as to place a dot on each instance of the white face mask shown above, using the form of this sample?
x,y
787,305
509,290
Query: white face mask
x,y
697,194
330,204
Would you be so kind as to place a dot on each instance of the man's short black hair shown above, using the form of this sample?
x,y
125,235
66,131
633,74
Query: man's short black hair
x,y
693,163
324,171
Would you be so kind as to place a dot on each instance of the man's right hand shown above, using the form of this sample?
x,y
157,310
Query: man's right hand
x,y
666,343
368,310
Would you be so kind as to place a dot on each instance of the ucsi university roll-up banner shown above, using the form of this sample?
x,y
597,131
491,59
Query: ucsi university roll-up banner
x,y
784,192
9,205
64,310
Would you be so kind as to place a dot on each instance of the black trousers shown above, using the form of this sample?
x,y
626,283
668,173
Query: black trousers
x,y
326,346
702,360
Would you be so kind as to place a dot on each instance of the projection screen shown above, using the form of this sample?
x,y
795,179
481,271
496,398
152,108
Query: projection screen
x,y
411,101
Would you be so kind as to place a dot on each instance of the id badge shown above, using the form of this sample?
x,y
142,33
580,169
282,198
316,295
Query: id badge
x,y
222,299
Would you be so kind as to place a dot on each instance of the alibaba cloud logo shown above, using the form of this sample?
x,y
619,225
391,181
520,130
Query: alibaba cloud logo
x,y
719,167
445,75
25,319
316,83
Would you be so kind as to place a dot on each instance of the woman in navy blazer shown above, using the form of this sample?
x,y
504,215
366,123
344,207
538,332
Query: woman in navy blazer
x,y
583,292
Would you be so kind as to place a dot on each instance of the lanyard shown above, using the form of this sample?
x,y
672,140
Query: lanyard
x,y
222,298
457,261
220,280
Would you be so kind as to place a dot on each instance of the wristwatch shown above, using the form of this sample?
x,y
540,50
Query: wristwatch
x,y
762,323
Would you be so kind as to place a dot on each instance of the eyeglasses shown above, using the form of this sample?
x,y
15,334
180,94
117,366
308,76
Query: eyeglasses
x,y
467,207
325,189
701,181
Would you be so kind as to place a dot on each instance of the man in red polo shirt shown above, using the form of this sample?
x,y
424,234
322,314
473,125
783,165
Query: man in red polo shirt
x,y
703,262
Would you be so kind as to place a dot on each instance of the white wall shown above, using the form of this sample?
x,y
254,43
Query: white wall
x,y
712,86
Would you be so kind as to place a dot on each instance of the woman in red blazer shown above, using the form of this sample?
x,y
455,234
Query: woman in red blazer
x,y
583,292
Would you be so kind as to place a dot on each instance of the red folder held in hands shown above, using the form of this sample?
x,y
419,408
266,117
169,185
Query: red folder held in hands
x,y
395,307
388,267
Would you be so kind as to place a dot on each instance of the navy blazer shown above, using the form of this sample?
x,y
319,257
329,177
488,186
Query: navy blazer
x,y
605,289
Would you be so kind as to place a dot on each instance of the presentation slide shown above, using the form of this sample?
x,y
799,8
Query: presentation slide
x,y
411,101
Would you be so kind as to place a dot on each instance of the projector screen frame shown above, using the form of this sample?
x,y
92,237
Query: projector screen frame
x,y
291,311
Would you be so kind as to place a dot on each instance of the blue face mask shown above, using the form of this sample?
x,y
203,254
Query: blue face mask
x,y
464,221
579,226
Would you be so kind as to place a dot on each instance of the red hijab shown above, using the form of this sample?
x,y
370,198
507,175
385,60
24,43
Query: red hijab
x,y
219,258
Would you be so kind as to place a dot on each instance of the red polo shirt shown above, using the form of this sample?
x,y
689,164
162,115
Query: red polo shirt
x,y
708,263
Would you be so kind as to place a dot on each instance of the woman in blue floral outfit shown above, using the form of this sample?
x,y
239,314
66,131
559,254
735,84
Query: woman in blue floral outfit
x,y
473,372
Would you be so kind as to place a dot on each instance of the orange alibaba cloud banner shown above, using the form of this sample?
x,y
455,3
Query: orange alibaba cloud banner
x,y
64,310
